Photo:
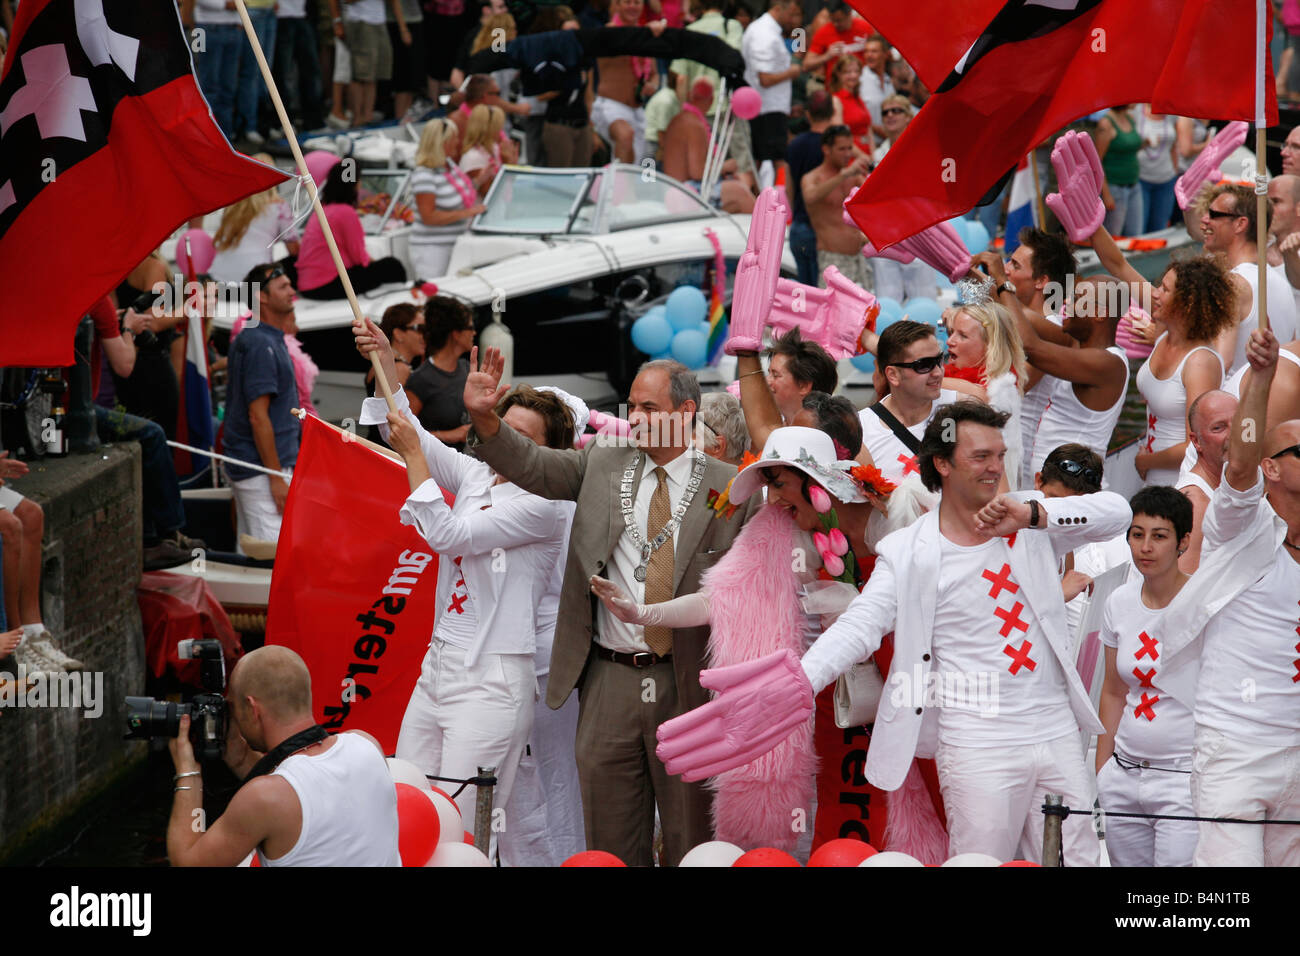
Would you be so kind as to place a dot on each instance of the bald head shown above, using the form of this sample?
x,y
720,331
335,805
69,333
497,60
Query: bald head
x,y
1209,406
1280,436
278,679
1283,200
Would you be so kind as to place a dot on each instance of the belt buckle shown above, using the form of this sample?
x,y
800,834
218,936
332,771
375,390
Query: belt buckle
x,y
637,662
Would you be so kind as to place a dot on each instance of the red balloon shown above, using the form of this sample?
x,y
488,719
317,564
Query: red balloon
x,y
766,856
842,852
1018,863
417,826
593,858
469,838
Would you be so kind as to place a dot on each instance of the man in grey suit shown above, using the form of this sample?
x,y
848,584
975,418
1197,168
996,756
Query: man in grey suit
x,y
643,520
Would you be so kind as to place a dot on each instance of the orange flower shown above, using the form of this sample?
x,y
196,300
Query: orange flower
x,y
872,479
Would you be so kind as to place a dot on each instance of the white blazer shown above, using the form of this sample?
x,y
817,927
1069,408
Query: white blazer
x,y
901,596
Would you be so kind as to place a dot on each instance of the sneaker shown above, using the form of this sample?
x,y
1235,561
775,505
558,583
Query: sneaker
x,y
165,554
254,137
28,656
45,645
275,133
336,122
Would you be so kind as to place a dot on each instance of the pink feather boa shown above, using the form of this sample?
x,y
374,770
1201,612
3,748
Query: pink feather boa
x,y
754,610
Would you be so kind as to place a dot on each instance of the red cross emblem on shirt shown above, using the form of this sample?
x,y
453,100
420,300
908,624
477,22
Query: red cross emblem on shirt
x,y
458,603
909,464
1011,619
1145,677
1151,432
1148,647
1019,657
1146,708
1001,581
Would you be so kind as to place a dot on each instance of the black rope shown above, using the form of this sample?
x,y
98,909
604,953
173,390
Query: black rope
x,y
486,781
1066,811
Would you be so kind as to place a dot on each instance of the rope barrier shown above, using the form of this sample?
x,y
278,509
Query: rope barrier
x,y
483,780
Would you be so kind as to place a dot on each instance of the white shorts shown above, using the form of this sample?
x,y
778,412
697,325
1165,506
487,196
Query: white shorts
x,y
255,511
604,112
10,499
342,62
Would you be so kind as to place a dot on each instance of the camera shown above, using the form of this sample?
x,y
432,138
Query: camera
x,y
147,718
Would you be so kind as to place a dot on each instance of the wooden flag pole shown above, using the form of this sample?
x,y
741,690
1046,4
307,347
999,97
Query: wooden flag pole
x,y
381,380
1038,190
1262,12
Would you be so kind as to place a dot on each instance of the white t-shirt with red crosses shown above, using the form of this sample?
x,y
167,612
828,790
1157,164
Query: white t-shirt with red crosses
x,y
1154,726
894,459
985,637
1249,686
459,622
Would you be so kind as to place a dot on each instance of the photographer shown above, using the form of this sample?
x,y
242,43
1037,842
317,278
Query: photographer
x,y
328,801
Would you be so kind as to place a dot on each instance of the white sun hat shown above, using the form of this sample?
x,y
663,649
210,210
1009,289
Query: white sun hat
x,y
809,450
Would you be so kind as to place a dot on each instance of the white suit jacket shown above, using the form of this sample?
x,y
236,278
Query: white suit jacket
x,y
901,595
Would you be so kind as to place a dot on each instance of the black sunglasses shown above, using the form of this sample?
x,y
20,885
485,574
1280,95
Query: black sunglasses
x,y
1076,470
923,366
273,274
892,110
1293,450
1220,214
415,328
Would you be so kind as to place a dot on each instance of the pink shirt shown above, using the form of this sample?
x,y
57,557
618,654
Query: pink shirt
x,y
315,266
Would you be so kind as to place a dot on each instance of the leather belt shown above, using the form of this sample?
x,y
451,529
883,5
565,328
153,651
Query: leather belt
x,y
639,659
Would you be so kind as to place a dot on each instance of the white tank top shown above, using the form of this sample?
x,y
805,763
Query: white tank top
x,y
1166,410
349,807
1281,310
1032,405
1190,479
1066,419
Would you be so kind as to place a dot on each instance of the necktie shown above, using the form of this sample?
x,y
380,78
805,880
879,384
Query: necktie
x,y
659,572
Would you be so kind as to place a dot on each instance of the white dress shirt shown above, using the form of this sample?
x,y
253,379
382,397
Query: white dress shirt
x,y
763,48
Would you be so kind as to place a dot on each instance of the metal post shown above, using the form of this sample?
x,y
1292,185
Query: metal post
x,y
484,782
83,437
1052,817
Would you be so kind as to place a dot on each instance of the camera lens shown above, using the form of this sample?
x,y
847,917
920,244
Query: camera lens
x,y
147,718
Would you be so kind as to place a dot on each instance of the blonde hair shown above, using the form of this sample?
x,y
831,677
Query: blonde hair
x,y
432,151
498,21
1003,351
236,219
896,99
843,63
484,126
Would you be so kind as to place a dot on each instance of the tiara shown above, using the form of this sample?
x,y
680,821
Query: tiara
x,y
975,291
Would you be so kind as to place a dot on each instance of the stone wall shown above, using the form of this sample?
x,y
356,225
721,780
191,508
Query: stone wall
x,y
55,758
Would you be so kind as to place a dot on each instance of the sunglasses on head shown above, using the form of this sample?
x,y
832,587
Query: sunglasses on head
x,y
1077,470
1220,214
1293,450
923,366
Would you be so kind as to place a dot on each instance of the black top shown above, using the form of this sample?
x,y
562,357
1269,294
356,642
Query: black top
x,y
442,396
803,155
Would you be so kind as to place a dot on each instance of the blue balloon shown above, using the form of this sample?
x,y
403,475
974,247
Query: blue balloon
x,y
976,237
690,347
961,224
651,333
923,310
686,308
705,328
866,362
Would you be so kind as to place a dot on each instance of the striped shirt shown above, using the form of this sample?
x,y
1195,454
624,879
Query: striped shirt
x,y
426,180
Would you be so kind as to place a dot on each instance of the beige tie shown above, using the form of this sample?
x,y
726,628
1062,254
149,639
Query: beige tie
x,y
659,572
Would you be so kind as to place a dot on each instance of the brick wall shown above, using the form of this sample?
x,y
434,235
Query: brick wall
x,y
54,759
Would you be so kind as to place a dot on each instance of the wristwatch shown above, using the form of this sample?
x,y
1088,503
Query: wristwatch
x,y
1033,513
1007,286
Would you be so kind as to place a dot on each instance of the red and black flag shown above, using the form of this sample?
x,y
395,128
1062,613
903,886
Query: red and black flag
x,y
106,146
1034,67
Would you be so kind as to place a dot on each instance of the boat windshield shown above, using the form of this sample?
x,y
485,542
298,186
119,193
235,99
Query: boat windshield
x,y
526,201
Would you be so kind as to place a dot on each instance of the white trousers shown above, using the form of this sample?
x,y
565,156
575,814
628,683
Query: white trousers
x,y
1245,781
1133,842
545,810
461,718
255,511
993,797
901,282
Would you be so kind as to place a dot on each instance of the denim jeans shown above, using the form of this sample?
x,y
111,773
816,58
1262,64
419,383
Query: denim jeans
x,y
252,88
803,244
218,67
1126,218
163,510
1157,204
297,70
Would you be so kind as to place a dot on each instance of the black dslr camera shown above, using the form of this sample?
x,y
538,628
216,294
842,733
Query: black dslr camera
x,y
147,718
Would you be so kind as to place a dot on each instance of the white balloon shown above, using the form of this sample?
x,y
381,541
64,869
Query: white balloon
x,y
973,859
713,853
450,827
457,854
403,771
890,858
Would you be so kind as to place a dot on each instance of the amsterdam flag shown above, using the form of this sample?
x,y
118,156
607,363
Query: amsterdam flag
x,y
1034,67
106,146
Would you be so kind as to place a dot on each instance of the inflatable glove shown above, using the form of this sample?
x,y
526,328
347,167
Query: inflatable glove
x,y
757,273
1078,171
1205,169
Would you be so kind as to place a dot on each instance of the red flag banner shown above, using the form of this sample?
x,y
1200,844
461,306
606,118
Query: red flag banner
x,y
106,146
1036,67
931,45
354,590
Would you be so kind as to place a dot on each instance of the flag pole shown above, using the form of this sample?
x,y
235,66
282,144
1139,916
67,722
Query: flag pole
x,y
1038,190
381,380
1262,12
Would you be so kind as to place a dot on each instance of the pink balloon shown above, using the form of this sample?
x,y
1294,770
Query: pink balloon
x,y
202,248
319,163
746,103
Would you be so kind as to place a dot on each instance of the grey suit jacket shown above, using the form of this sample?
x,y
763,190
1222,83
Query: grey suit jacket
x,y
591,477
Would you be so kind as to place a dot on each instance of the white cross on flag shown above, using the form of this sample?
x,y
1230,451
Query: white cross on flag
x,y
106,146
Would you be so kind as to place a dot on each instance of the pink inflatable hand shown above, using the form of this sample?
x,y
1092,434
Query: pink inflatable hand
x,y
941,248
898,252
1205,169
759,704
833,317
1078,172
1125,337
756,273
606,424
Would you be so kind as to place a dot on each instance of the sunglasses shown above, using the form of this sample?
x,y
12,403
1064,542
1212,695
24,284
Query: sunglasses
x,y
1076,470
1220,214
923,366
274,274
1293,450
894,110
415,328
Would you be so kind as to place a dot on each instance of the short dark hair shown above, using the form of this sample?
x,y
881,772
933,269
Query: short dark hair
x,y
820,106
837,417
935,444
1049,254
896,337
807,362
443,316
257,275
477,86
1074,466
837,6
556,415
1161,501
340,184
398,317
831,133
